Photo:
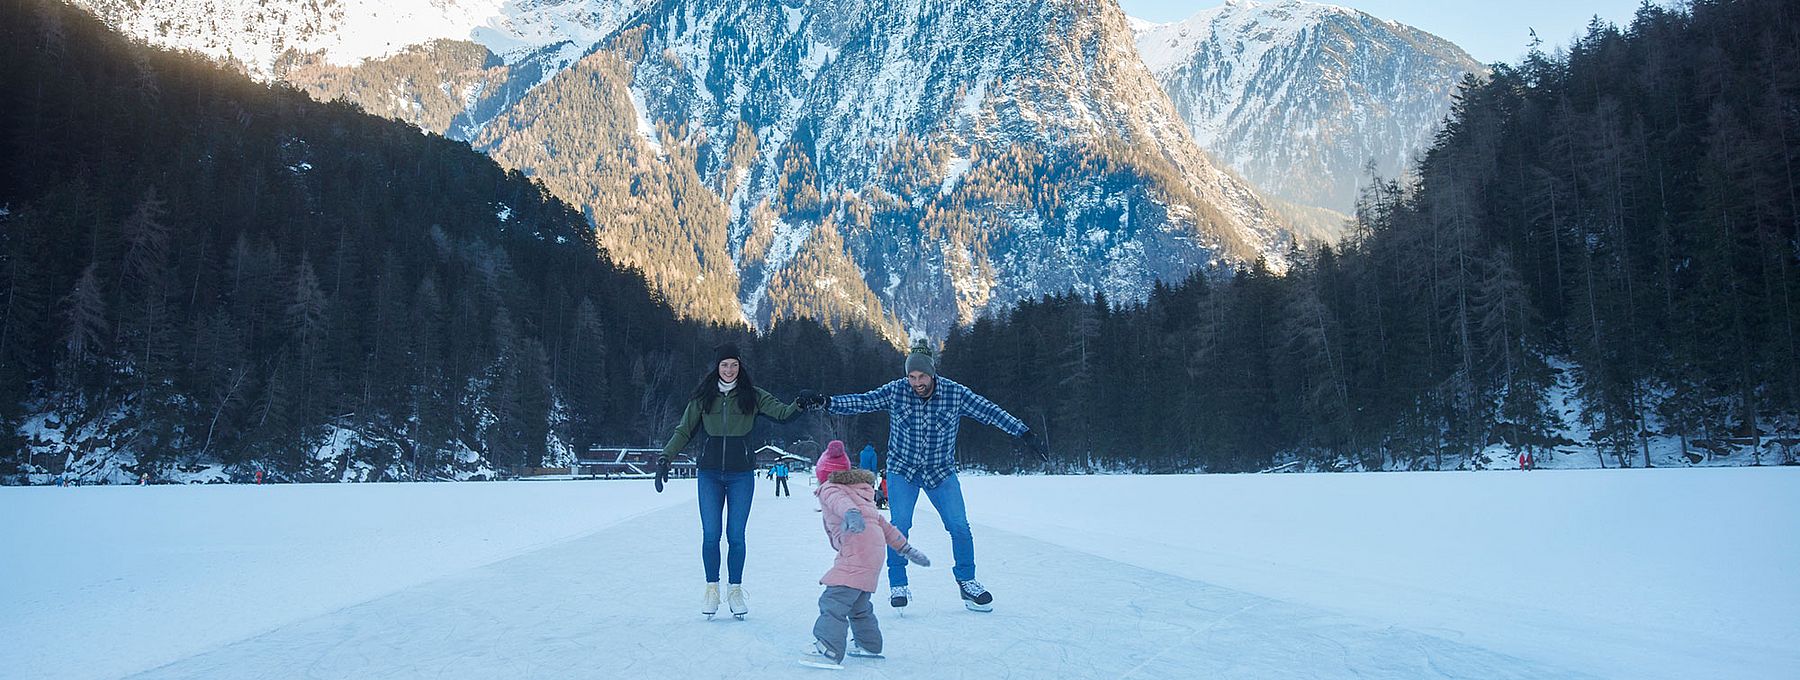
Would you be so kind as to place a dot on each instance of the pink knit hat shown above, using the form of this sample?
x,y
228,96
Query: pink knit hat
x,y
832,460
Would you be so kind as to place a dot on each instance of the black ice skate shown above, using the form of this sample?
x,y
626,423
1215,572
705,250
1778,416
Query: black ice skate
x,y
975,597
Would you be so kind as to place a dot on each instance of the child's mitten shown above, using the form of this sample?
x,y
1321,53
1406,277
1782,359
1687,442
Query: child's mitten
x,y
913,555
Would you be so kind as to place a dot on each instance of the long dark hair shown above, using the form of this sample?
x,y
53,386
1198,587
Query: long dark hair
x,y
707,392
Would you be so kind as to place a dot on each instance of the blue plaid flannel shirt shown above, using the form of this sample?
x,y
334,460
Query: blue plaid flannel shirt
x,y
922,432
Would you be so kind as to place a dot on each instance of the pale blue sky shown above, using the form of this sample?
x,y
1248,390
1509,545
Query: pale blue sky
x,y
1490,30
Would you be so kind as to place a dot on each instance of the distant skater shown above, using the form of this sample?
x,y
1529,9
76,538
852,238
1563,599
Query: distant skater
x,y
781,477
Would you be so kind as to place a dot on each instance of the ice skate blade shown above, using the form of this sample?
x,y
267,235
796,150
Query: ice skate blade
x,y
822,662
978,607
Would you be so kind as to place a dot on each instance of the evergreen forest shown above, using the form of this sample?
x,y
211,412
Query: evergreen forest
x,y
1601,241
197,269
1596,259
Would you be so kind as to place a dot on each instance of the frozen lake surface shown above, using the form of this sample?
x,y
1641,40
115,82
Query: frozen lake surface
x,y
1549,574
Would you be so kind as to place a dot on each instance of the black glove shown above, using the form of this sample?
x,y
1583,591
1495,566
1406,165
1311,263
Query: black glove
x,y
810,400
662,472
1029,441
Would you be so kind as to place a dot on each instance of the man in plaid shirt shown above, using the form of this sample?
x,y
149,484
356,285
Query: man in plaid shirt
x,y
924,411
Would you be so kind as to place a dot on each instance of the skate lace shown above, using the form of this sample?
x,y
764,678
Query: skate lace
x,y
736,595
901,591
972,587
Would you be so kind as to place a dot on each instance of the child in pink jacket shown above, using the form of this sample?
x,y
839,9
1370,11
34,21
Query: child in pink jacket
x,y
848,500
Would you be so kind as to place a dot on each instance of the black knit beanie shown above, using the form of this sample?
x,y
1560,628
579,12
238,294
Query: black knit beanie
x,y
728,350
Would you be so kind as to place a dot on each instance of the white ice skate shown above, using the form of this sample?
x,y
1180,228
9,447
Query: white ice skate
x,y
734,597
856,649
709,603
817,658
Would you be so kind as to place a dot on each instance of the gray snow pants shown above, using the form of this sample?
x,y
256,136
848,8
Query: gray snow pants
x,y
842,607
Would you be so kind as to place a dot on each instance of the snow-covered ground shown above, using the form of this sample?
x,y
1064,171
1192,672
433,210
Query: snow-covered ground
x,y
1553,574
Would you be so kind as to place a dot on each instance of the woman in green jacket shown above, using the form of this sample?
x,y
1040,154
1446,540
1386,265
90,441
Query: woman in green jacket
x,y
724,407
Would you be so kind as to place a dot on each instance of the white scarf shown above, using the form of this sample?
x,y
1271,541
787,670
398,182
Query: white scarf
x,y
727,386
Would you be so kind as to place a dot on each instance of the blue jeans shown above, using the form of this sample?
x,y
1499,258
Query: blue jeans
x,y
947,498
720,491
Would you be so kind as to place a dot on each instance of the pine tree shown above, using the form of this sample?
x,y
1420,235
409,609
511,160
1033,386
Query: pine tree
x,y
84,322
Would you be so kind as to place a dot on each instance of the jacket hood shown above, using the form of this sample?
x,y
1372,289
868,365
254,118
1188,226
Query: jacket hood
x,y
853,476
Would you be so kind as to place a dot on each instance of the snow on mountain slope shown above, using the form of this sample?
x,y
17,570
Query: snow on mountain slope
x,y
257,33
962,155
1302,97
969,141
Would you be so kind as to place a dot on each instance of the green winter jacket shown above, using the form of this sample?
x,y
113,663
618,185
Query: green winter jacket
x,y
727,428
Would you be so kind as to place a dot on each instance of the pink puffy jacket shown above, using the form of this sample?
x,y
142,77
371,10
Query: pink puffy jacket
x,y
860,556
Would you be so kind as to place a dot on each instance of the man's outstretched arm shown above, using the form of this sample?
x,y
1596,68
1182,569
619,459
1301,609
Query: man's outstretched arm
x,y
978,407
1024,440
878,399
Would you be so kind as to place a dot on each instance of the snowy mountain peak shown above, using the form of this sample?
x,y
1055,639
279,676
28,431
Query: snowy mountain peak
x,y
257,33
909,163
1251,27
903,114
1301,97
1140,25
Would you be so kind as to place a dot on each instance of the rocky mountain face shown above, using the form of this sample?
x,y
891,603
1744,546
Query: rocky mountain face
x,y
911,163
1302,98
947,158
